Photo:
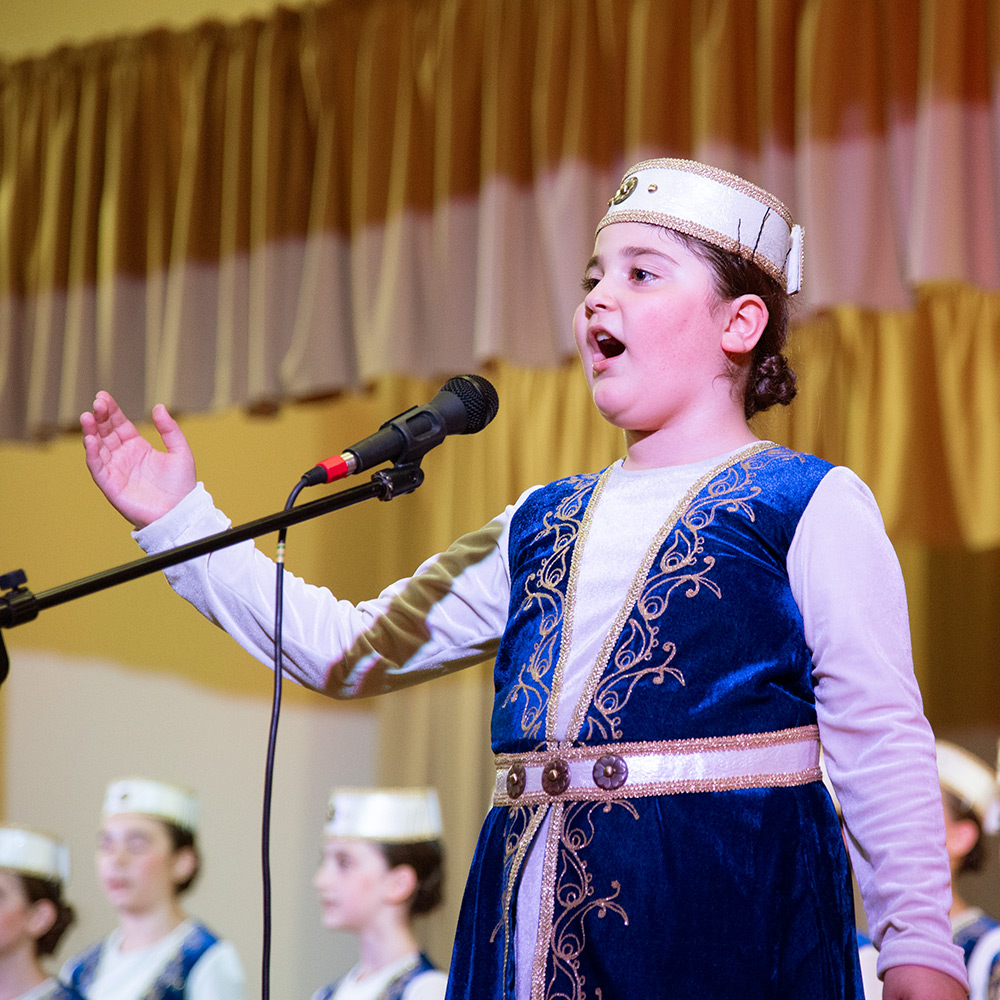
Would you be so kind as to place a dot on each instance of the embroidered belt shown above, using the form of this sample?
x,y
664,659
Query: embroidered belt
x,y
670,767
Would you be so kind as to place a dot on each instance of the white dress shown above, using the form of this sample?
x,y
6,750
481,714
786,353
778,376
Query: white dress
x,y
128,975
428,985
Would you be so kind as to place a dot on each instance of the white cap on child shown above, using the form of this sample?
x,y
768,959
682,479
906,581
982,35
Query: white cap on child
x,y
715,206
971,780
152,798
389,815
34,854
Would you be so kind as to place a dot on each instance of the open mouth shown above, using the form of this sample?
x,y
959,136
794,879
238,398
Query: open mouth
x,y
609,346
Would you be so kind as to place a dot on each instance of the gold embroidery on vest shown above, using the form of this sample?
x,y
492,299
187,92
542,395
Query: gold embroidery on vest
x,y
545,587
675,568
569,884
516,844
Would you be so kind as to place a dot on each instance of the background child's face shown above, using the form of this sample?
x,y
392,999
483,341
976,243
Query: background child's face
x,y
353,883
136,863
650,329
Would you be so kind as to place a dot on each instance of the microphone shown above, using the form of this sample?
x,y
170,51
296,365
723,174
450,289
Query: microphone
x,y
464,405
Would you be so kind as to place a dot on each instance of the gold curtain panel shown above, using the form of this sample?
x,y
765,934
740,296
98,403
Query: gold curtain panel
x,y
239,214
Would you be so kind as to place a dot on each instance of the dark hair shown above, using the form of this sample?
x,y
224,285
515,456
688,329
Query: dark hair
x,y
37,889
181,839
426,858
960,813
770,378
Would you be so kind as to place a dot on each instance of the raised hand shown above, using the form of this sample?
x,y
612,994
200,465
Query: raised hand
x,y
141,482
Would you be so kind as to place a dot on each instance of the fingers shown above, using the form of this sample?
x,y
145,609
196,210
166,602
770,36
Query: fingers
x,y
105,418
91,423
106,432
172,436
98,413
106,429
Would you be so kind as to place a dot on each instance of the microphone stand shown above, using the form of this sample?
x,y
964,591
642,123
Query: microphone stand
x,y
19,605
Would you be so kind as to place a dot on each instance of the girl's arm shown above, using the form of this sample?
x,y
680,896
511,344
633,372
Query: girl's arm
x,y
449,614
878,746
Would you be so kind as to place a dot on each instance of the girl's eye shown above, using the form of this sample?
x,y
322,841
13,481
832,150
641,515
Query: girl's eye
x,y
589,283
639,274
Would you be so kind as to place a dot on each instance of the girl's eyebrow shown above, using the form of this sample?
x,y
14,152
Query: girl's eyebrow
x,y
633,251
638,251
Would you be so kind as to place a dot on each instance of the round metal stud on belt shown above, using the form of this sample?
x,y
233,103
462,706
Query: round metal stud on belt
x,y
516,780
555,776
610,772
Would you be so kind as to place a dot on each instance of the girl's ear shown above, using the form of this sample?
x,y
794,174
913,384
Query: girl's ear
x,y
41,917
960,837
401,883
185,864
747,317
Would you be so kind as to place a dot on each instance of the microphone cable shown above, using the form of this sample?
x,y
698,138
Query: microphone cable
x,y
265,833
465,405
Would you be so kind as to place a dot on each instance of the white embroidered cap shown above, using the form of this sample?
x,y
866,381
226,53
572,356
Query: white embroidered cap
x,y
389,815
35,854
715,206
971,780
152,798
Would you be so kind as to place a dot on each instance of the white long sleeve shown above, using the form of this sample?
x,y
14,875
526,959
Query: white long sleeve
x,y
450,614
878,746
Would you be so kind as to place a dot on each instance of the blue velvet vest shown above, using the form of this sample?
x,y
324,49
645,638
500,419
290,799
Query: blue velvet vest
x,y
710,894
170,984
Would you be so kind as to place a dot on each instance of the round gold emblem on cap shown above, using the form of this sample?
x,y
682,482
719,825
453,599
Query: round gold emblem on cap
x,y
626,188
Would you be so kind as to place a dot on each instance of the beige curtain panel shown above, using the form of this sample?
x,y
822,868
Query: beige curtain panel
x,y
303,204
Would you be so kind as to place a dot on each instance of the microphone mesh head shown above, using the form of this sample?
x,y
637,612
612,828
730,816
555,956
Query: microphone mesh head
x,y
479,398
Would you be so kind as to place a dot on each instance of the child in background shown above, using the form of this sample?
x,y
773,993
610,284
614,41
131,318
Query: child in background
x,y
971,798
672,639
382,866
147,857
33,916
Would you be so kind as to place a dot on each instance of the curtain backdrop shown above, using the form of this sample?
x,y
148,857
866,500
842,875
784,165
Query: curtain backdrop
x,y
301,204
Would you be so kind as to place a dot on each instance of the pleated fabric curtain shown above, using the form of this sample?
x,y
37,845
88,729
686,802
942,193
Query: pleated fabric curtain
x,y
240,214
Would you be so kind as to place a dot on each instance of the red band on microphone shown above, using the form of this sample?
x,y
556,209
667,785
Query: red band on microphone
x,y
336,468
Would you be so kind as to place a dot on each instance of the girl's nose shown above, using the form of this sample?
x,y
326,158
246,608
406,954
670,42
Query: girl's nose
x,y
114,854
322,877
599,297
